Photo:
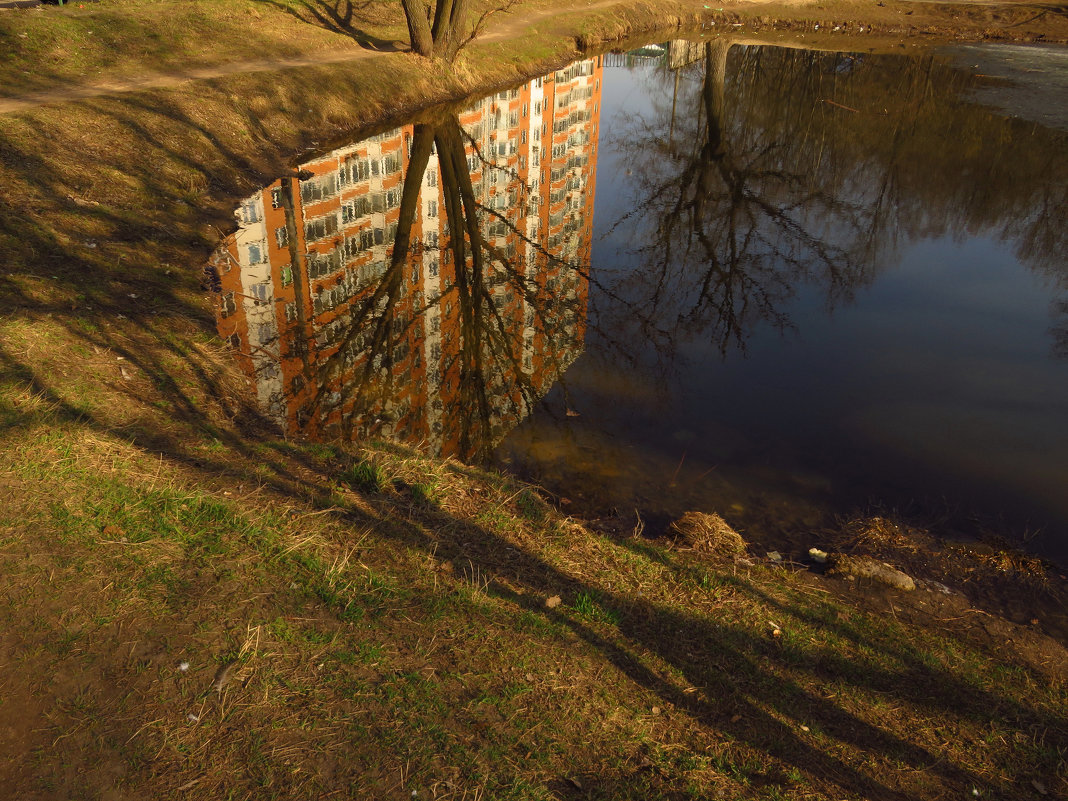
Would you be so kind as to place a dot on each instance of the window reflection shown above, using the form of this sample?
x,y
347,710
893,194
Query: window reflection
x,y
428,283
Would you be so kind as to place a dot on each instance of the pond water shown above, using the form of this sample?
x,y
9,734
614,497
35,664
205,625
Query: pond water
x,y
780,284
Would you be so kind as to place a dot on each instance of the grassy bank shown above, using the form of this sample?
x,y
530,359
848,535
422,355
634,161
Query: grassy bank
x,y
197,608
111,43
272,621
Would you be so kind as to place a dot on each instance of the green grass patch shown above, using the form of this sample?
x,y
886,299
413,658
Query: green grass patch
x,y
366,476
589,606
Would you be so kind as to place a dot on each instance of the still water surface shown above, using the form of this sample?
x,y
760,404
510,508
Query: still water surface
x,y
776,283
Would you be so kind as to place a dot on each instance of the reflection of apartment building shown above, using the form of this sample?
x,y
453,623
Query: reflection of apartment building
x,y
339,337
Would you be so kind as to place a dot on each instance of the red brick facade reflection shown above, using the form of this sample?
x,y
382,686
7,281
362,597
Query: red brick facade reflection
x,y
310,250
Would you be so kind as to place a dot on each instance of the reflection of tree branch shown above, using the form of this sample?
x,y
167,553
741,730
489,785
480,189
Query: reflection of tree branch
x,y
488,357
540,248
736,207
379,305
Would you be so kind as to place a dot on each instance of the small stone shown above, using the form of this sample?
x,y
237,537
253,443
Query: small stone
x,y
866,567
655,710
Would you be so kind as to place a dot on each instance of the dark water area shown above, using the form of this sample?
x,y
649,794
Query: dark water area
x,y
781,284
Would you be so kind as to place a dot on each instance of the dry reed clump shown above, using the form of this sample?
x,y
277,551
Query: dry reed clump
x,y
995,556
878,534
1011,561
708,533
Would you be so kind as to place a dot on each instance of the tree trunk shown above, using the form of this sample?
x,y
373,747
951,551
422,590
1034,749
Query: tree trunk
x,y
422,39
442,22
453,34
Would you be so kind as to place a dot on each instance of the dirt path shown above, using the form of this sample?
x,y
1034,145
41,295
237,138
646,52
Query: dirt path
x,y
502,28
139,83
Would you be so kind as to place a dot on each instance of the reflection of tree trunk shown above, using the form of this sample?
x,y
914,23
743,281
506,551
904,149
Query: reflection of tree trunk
x,y
713,92
379,306
714,207
299,268
489,352
388,292
714,150
462,208
418,158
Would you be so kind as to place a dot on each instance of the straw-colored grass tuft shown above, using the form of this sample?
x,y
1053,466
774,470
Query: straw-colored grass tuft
x,y
708,533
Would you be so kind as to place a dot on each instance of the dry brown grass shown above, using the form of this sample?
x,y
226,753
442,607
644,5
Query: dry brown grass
x,y
709,533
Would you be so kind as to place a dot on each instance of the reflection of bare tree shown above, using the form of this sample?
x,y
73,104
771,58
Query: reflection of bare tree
x,y
732,221
774,168
362,386
354,377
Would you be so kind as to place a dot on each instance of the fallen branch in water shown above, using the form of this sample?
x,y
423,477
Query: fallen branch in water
x,y
850,108
839,105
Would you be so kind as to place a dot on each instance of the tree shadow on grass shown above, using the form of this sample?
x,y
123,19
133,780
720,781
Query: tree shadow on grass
x,y
726,678
758,691
753,691
344,17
